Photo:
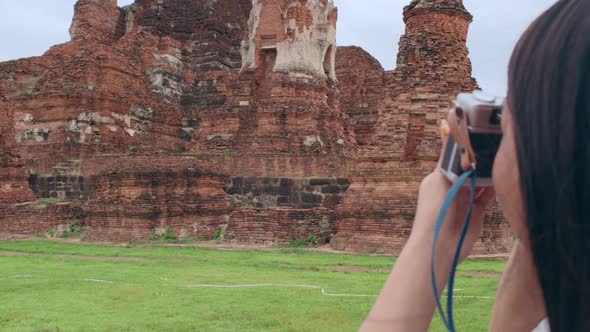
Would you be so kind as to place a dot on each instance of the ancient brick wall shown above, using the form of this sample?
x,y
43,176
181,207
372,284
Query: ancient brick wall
x,y
267,192
68,183
282,226
6,122
362,85
433,66
13,177
234,116
34,218
144,194
212,30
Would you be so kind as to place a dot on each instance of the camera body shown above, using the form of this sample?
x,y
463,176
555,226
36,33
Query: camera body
x,y
476,133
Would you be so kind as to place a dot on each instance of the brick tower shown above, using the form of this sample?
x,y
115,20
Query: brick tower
x,y
433,52
95,19
432,67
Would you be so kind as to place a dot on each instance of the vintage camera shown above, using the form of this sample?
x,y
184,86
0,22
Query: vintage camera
x,y
476,133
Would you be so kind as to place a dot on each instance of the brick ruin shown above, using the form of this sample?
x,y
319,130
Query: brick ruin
x,y
234,117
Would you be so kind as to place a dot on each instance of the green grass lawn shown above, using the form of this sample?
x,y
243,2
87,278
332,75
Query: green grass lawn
x,y
53,286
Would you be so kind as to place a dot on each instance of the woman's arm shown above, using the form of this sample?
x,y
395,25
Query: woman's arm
x,y
519,300
406,302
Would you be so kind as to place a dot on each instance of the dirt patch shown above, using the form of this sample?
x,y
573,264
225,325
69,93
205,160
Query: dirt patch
x,y
97,258
491,256
229,246
87,258
353,269
341,268
338,268
386,270
481,274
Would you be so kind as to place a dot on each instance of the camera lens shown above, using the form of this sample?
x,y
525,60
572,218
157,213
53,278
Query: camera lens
x,y
485,147
496,117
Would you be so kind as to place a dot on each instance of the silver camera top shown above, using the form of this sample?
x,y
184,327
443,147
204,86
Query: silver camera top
x,y
483,111
476,133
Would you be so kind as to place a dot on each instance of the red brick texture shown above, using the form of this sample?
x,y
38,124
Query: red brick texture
x,y
432,67
231,118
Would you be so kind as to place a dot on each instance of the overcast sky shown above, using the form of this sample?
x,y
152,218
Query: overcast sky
x,y
29,27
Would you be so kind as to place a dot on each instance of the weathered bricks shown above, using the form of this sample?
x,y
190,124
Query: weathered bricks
x,y
432,67
239,117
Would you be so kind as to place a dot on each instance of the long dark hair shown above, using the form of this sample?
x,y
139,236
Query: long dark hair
x,y
549,96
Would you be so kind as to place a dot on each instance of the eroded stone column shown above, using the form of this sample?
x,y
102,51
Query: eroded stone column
x,y
95,19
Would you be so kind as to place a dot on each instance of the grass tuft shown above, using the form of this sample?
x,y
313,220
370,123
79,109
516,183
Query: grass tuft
x,y
75,231
50,201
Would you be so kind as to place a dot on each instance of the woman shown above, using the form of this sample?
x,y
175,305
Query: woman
x,y
541,178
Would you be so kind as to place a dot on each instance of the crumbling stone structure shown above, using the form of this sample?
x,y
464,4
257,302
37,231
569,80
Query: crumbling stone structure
x,y
433,66
297,36
14,187
362,86
95,21
232,117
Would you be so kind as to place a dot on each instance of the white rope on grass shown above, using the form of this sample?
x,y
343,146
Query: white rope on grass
x,y
473,297
320,288
101,281
323,290
281,285
19,276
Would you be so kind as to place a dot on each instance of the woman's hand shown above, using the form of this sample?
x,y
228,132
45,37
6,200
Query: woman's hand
x,y
407,302
433,191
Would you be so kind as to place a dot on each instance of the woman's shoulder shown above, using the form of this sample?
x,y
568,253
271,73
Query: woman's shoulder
x,y
543,327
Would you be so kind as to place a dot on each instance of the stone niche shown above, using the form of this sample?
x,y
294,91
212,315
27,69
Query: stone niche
x,y
292,36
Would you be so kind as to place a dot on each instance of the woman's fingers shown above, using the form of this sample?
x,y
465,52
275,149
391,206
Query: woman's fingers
x,y
445,131
485,197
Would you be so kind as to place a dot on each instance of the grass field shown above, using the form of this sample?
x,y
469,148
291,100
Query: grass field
x,y
54,286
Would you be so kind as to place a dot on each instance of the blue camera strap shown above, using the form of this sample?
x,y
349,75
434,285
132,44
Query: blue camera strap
x,y
452,193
